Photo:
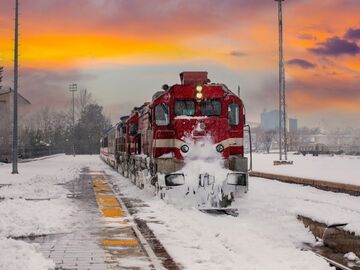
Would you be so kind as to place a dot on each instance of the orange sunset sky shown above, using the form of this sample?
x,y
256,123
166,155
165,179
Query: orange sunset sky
x,y
124,50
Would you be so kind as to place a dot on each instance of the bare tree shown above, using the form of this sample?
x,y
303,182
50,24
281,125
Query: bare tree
x,y
83,99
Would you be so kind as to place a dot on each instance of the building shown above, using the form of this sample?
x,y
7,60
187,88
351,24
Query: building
x,y
6,120
270,120
293,124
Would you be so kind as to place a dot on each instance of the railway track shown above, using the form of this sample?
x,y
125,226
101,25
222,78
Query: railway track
x,y
333,263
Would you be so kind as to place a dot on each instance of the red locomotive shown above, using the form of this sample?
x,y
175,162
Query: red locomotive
x,y
187,142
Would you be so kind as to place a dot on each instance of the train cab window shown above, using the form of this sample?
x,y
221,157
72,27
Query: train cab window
x,y
211,107
184,107
162,116
234,114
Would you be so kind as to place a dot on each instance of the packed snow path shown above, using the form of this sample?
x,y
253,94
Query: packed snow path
x,y
265,235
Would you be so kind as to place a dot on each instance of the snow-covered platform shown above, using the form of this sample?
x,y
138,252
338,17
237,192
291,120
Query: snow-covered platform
x,y
77,223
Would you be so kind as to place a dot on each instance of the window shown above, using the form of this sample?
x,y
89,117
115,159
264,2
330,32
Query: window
x,y
211,107
184,107
234,114
162,115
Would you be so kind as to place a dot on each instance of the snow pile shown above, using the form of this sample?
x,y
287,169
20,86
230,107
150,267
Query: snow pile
x,y
24,218
18,255
342,169
38,187
352,257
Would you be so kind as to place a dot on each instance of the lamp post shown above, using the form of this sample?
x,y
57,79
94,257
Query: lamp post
x,y
73,89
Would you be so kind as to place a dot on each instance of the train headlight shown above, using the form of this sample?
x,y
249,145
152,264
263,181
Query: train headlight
x,y
199,96
199,93
220,148
184,148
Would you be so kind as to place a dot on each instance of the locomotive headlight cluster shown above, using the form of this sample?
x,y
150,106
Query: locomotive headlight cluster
x,y
199,93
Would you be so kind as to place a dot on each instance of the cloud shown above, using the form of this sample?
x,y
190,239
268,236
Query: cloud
x,y
237,53
353,34
306,37
336,46
326,87
45,88
301,63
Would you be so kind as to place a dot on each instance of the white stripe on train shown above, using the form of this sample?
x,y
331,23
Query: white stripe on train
x,y
171,143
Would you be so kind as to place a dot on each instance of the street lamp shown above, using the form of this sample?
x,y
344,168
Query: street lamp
x,y
73,89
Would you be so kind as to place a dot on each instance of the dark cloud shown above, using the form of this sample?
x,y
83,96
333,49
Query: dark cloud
x,y
353,34
237,53
336,46
301,63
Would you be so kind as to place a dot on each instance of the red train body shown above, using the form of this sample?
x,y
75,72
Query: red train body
x,y
187,122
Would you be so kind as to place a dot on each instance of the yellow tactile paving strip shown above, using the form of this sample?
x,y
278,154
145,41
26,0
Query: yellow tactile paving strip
x,y
106,200
120,242
110,207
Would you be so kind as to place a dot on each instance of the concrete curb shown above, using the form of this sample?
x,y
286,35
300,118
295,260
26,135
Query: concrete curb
x,y
319,184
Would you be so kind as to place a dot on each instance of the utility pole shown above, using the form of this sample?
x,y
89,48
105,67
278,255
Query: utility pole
x,y
16,67
282,103
239,91
73,89
1,76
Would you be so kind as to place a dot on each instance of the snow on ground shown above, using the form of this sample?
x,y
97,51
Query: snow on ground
x,y
17,255
266,234
25,209
343,169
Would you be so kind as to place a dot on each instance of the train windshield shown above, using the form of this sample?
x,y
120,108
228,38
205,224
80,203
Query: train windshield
x,y
184,107
211,107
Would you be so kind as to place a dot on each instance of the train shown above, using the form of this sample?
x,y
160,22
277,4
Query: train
x,y
186,144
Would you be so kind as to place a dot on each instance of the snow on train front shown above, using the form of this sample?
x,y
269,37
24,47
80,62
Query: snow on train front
x,y
187,143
